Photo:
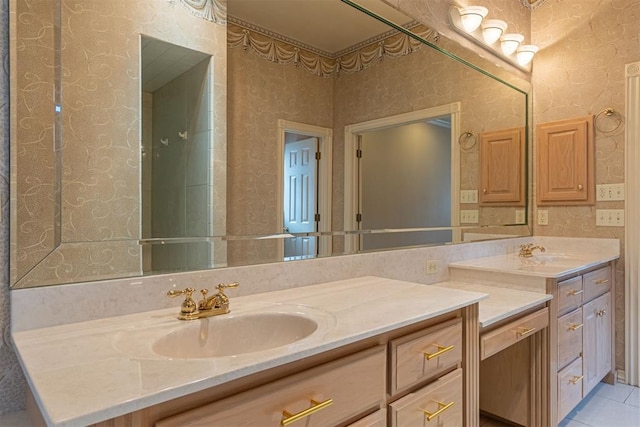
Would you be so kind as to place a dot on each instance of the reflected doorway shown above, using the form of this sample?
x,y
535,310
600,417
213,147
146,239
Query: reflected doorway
x,y
305,191
301,157
446,116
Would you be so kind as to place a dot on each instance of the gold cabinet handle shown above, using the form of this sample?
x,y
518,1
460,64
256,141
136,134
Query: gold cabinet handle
x,y
601,313
574,292
288,417
601,281
484,191
575,326
441,351
576,379
441,408
523,331
579,187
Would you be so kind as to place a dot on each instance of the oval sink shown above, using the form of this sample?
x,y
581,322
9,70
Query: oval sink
x,y
234,335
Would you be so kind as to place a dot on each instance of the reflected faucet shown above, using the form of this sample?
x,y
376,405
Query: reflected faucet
x,y
526,251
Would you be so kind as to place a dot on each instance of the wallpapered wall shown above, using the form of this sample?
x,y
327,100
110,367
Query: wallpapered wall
x,y
579,71
261,92
12,382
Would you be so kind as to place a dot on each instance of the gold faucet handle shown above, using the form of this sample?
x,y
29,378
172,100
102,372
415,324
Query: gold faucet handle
x,y
222,286
188,305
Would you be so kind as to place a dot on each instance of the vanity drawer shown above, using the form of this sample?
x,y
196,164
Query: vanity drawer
x,y
570,294
425,354
569,387
377,419
440,403
354,384
569,337
509,334
596,283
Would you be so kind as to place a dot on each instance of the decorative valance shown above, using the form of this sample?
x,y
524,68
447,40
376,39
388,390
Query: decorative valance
x,y
351,61
211,10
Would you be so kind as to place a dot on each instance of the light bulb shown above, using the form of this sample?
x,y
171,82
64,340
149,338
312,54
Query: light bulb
x,y
471,17
509,43
525,53
492,29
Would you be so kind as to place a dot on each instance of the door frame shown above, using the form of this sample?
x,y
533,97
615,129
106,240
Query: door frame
x,y
351,178
323,178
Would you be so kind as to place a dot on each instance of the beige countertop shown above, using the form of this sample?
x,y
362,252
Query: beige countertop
x,y
502,302
87,372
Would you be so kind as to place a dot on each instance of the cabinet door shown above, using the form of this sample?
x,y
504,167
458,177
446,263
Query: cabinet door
x,y
565,162
502,168
597,341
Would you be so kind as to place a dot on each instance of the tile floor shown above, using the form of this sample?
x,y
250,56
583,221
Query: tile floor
x,y
605,406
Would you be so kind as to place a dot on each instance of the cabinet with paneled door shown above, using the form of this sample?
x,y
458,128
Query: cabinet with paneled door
x,y
585,349
502,168
565,165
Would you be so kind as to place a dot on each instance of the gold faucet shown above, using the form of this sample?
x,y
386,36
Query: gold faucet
x,y
526,251
207,306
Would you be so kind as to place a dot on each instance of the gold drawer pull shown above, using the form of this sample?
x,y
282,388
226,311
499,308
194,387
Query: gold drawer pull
x,y
576,379
574,292
601,281
525,331
441,351
441,408
601,313
288,418
575,326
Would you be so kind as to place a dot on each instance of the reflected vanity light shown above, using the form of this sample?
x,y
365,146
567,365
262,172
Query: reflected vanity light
x,y
509,43
525,53
492,29
471,17
489,34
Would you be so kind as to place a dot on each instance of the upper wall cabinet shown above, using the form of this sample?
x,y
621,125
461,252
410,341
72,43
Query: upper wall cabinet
x,y
502,169
565,167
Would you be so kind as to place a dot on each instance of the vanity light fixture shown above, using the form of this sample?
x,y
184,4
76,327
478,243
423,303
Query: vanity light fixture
x,y
492,29
471,17
489,34
509,43
525,53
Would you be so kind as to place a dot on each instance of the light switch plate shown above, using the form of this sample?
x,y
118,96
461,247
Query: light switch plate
x,y
606,192
543,217
610,217
468,196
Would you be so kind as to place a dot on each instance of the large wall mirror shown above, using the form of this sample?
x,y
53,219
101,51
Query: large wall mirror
x,y
160,136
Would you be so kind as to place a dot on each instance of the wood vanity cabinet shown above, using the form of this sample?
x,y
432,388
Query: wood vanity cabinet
x,y
585,348
401,378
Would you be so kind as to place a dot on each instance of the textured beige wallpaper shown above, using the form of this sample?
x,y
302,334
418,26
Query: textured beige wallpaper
x,y
580,71
100,199
261,92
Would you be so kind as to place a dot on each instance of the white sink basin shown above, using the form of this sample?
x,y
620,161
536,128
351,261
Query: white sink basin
x,y
230,335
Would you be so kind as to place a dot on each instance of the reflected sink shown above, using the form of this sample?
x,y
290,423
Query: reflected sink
x,y
230,335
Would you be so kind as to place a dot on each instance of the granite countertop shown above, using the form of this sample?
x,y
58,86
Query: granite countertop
x,y
87,372
502,302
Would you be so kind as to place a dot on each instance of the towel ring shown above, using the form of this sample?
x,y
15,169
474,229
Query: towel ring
x,y
608,113
467,140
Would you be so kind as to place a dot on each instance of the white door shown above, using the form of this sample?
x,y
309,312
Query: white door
x,y
300,197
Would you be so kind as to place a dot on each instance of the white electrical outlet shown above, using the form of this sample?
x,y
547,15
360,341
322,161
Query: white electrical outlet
x,y
469,216
468,196
431,267
520,216
605,192
543,217
610,217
